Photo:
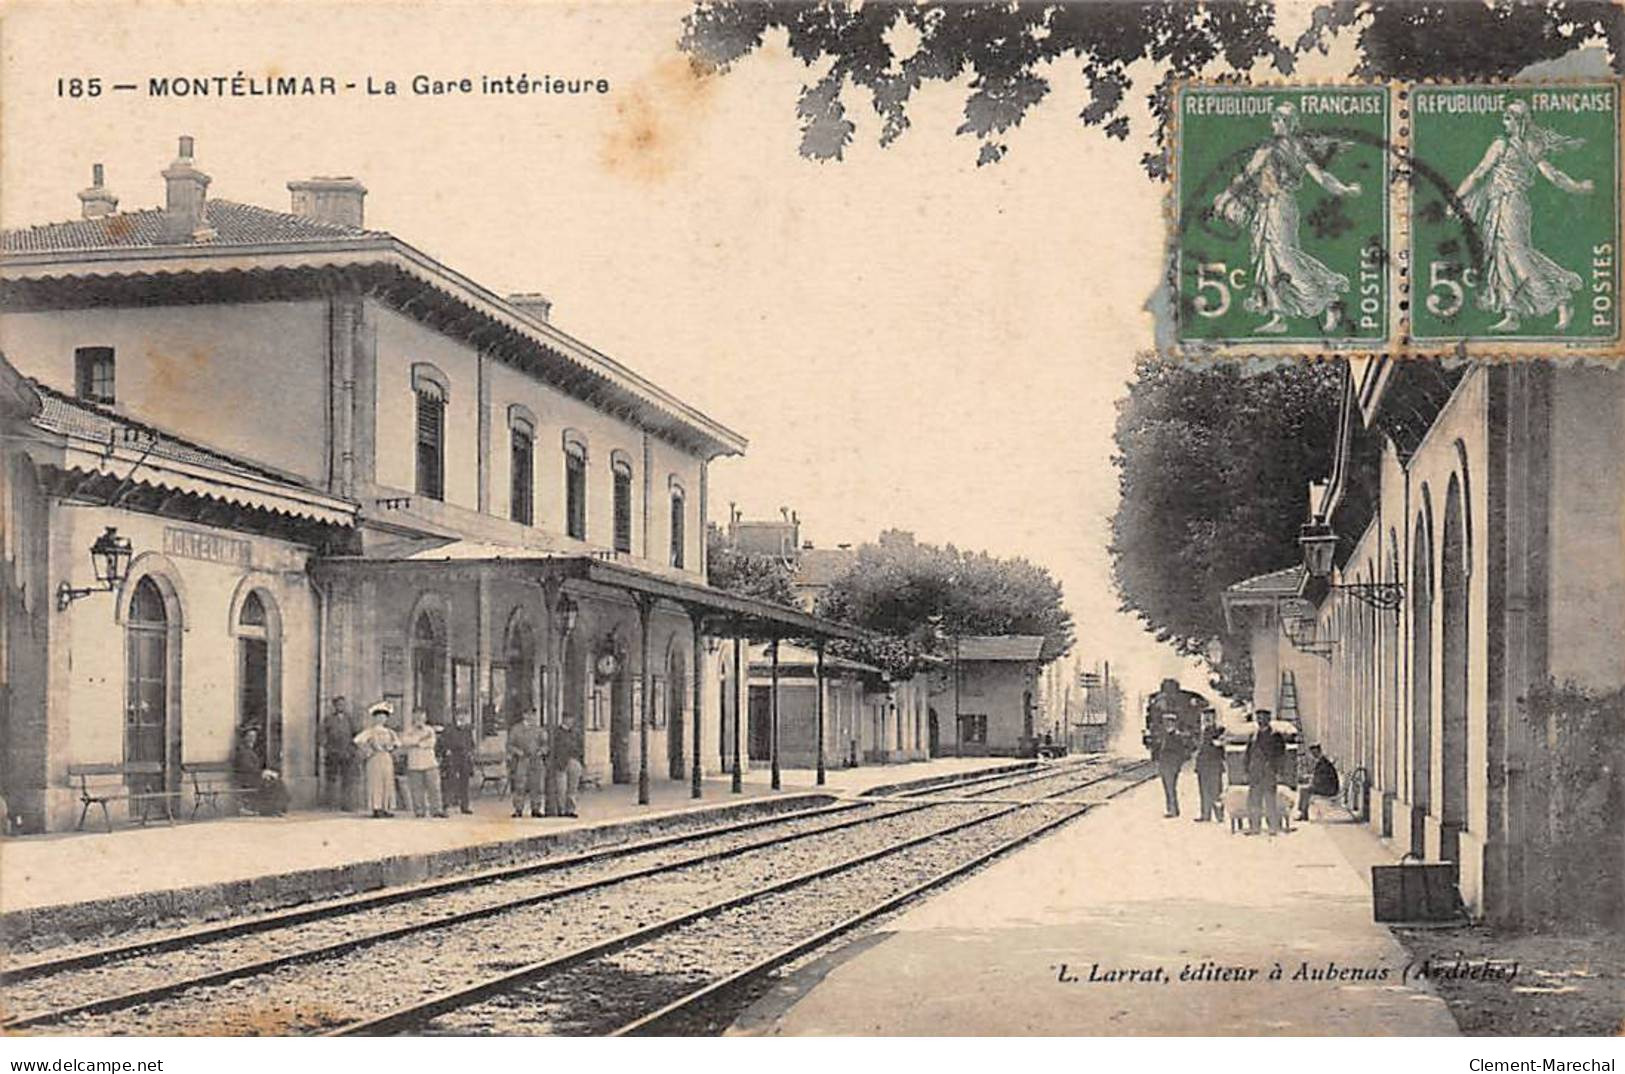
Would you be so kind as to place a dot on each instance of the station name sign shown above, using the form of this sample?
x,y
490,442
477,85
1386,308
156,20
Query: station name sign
x,y
213,547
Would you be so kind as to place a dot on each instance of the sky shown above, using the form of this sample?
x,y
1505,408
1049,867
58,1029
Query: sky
x,y
907,340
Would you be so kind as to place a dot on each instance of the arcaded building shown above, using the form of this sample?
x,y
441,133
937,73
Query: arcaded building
x,y
1466,554
341,469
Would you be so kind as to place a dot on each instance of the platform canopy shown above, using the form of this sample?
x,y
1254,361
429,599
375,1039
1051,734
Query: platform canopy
x,y
723,612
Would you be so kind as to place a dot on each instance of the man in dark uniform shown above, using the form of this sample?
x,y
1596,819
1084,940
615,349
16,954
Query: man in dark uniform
x,y
338,748
565,761
455,747
1264,755
1173,718
1210,773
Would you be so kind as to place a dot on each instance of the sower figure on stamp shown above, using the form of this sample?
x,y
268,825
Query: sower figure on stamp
x,y
1287,281
456,750
1210,773
1519,280
1263,760
526,763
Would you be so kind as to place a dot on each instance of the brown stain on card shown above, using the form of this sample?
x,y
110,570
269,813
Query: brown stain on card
x,y
657,118
177,375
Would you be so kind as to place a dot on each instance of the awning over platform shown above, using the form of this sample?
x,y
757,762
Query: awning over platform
x,y
724,611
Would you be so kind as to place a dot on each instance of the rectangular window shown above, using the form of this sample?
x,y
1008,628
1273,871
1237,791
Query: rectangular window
x,y
93,374
623,511
431,445
575,496
677,530
973,729
521,499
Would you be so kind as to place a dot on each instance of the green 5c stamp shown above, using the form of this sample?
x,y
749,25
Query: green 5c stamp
x,y
1283,215
1514,213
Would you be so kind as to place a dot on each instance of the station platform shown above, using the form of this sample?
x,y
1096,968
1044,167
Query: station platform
x,y
1127,923
72,885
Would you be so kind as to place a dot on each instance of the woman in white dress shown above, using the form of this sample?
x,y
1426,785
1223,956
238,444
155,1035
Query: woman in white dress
x,y
1519,280
377,744
1287,281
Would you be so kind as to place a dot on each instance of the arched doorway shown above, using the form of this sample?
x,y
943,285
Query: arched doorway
x,y
676,710
429,665
1421,681
1453,660
620,726
519,660
150,736
259,666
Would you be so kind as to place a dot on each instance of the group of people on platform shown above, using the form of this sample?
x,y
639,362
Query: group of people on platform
x,y
428,768
1180,726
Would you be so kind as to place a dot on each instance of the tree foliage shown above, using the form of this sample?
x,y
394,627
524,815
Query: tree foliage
x,y
1008,49
747,574
1214,463
897,586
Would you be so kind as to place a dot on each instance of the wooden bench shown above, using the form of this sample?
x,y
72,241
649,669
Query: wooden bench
x,y
120,792
210,781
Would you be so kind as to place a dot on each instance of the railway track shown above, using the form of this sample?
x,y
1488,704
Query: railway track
x,y
470,941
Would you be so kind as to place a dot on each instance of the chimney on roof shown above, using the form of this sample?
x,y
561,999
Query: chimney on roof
x,y
330,199
96,200
185,198
537,305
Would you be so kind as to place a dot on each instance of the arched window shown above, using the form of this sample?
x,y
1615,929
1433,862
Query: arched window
x,y
430,387
678,518
575,485
621,467
259,674
429,666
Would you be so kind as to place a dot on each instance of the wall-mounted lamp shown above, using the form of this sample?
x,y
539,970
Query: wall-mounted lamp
x,y
1298,623
110,559
568,613
1319,543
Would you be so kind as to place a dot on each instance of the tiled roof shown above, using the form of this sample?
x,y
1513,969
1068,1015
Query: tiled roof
x,y
234,224
1001,647
1284,582
68,416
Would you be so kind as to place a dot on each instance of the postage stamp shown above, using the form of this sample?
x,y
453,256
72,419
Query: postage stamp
x,y
1283,228
1514,214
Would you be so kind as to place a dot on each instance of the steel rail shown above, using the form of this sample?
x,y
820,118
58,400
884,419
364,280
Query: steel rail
x,y
651,1022
183,938
415,1014
339,948
1009,779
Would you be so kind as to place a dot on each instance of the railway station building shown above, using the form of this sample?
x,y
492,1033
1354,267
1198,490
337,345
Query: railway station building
x,y
327,465
990,709
1464,558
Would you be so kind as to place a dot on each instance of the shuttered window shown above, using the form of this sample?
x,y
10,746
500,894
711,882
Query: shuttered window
x,y
623,509
575,495
522,497
431,444
677,541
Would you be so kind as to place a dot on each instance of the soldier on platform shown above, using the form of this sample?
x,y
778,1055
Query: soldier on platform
x,y
527,763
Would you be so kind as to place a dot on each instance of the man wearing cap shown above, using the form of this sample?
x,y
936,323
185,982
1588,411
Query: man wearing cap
x,y
338,755
1263,759
1170,714
527,763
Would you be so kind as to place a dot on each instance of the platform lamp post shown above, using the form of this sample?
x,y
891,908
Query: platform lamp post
x,y
110,559
565,612
739,685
